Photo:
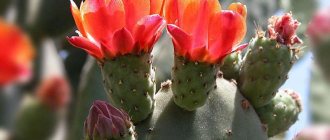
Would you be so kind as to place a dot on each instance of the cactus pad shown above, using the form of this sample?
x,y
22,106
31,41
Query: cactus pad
x,y
264,70
192,83
281,112
226,115
130,83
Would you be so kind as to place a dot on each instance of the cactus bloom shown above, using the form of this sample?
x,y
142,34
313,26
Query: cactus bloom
x,y
201,31
107,122
283,29
110,28
319,28
16,54
54,92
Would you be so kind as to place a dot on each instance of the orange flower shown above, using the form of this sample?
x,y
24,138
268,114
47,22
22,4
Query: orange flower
x,y
109,28
16,54
201,31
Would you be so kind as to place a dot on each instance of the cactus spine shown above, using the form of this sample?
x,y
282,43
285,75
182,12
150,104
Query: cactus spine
x,y
130,82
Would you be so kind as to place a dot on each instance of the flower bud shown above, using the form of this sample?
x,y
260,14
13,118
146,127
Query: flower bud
x,y
107,122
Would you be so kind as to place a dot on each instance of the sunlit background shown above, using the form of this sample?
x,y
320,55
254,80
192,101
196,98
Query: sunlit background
x,y
49,22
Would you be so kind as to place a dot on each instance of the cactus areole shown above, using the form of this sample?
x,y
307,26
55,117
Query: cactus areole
x,y
202,36
122,47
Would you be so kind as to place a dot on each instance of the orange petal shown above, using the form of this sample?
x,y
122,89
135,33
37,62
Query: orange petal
x,y
171,11
156,6
226,30
206,11
181,40
193,12
147,29
77,18
123,41
239,8
135,10
199,54
89,47
101,24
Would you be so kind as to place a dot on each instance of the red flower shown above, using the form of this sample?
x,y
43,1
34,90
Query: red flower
x,y
319,27
54,92
16,54
283,29
109,28
201,31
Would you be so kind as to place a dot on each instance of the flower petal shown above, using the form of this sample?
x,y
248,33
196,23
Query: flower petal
x,y
104,127
77,18
147,30
171,12
200,33
135,10
189,10
83,43
100,23
181,40
156,6
226,30
123,41
239,8
199,54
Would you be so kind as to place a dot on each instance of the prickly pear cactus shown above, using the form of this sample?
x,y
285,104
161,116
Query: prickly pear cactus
x,y
281,112
264,70
226,115
130,82
231,66
192,83
35,121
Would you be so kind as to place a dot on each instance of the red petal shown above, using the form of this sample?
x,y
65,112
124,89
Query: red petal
x,y
123,41
156,6
100,23
147,30
135,10
199,54
171,12
181,40
226,30
83,43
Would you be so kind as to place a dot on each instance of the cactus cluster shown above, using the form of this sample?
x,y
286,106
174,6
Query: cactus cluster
x,y
198,102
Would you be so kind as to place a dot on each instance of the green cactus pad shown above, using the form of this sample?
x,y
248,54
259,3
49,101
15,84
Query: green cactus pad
x,y
225,116
264,70
192,83
231,66
35,121
281,112
130,83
